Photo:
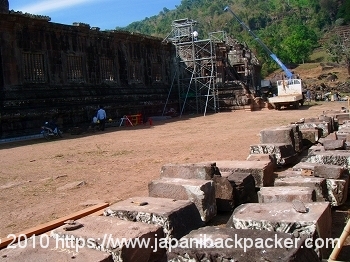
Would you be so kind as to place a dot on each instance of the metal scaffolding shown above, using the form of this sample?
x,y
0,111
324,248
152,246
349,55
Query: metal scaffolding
x,y
195,67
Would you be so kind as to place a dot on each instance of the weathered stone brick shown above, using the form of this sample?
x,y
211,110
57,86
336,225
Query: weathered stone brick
x,y
286,194
284,154
200,192
333,144
315,148
316,183
205,170
325,126
334,157
262,171
176,217
282,217
102,233
321,170
244,187
282,135
311,135
206,247
224,194
337,190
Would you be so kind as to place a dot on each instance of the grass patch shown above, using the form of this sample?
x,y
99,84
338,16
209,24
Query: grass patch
x,y
122,153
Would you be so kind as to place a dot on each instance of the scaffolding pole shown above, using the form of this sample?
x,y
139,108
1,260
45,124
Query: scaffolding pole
x,y
196,69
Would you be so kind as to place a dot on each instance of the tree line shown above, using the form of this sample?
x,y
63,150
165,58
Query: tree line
x,y
290,28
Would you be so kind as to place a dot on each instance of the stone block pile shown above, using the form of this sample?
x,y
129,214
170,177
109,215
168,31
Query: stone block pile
x,y
263,200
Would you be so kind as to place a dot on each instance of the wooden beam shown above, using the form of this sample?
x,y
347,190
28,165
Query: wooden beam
x,y
43,228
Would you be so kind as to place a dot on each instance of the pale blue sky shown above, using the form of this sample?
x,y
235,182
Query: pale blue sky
x,y
106,14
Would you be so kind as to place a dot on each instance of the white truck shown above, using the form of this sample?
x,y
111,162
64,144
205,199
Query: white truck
x,y
289,93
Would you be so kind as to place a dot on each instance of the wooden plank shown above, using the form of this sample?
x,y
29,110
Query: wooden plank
x,y
43,228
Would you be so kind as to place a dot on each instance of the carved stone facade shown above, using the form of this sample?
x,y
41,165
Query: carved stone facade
x,y
4,6
52,70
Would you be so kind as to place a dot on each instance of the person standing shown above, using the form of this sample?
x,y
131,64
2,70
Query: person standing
x,y
101,117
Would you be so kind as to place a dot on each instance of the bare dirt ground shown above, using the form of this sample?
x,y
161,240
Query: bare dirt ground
x,y
36,176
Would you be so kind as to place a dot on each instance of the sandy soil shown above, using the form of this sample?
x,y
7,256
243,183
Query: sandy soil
x,y
36,176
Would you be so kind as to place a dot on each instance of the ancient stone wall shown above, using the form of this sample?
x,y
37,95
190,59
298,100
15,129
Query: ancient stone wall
x,y
54,70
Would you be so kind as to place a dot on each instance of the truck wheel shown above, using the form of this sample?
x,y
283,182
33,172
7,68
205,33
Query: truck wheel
x,y
296,105
278,107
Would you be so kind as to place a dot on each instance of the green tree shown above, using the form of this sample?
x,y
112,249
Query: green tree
x,y
344,11
298,44
339,49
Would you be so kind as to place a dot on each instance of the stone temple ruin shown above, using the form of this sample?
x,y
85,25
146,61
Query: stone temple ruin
x,y
285,190
50,70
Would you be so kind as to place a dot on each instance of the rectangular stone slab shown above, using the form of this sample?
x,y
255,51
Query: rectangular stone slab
x,y
288,173
334,144
205,170
262,171
102,233
282,217
286,194
282,135
326,127
46,248
321,170
200,192
284,154
316,183
176,217
206,246
334,157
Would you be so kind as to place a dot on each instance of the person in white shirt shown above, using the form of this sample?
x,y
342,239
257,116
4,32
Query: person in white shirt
x,y
101,117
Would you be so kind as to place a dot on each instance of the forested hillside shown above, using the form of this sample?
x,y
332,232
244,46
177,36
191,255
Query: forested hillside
x,y
290,28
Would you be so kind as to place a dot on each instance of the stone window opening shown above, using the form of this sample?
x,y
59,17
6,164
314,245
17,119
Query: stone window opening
x,y
135,73
75,69
157,72
107,70
33,68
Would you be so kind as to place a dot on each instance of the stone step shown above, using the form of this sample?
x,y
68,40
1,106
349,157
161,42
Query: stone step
x,y
176,217
229,244
286,194
200,192
108,233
